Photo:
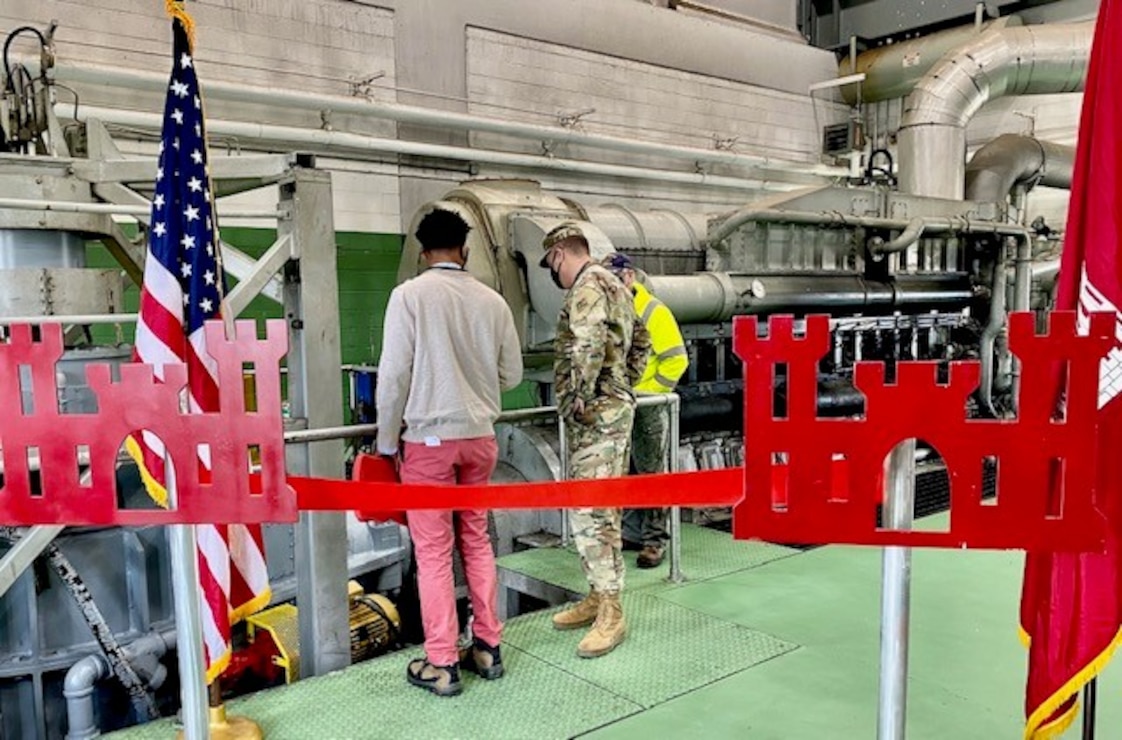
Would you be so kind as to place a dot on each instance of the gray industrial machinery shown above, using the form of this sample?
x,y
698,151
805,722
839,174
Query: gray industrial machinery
x,y
903,277
918,273
60,191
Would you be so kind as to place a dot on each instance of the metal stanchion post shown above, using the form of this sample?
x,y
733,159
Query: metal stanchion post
x,y
564,445
896,595
675,403
189,632
1090,700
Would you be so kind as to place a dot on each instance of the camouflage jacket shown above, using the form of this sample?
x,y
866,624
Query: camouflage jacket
x,y
601,346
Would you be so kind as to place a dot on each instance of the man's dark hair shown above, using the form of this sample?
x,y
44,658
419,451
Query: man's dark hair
x,y
441,229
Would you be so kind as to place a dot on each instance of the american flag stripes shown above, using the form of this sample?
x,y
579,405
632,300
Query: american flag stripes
x,y
183,288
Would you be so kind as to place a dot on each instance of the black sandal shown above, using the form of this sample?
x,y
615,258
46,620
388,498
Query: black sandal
x,y
440,680
483,660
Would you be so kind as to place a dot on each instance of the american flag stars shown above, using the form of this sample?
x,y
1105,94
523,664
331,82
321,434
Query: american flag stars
x,y
182,237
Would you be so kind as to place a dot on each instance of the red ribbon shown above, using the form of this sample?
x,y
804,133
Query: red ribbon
x,y
723,487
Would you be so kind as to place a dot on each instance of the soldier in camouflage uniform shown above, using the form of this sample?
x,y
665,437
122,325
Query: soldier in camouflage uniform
x,y
601,351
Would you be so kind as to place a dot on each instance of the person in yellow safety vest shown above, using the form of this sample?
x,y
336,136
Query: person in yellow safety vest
x,y
645,529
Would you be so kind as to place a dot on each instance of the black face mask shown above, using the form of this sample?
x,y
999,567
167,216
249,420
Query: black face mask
x,y
555,274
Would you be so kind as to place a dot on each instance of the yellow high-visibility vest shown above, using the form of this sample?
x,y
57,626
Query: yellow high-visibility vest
x,y
668,359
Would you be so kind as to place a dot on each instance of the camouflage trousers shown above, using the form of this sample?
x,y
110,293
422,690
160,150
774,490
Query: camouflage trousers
x,y
649,442
600,450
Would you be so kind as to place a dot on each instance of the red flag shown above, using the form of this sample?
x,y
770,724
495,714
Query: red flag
x,y
1071,604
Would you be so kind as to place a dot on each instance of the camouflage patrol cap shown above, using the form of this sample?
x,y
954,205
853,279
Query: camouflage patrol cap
x,y
558,234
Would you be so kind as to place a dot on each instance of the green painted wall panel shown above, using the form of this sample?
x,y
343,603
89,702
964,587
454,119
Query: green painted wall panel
x,y
367,267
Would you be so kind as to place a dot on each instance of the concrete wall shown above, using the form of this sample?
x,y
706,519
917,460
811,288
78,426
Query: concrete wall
x,y
651,73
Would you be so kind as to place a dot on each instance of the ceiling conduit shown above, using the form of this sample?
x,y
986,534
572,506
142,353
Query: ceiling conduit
x,y
767,167
1011,61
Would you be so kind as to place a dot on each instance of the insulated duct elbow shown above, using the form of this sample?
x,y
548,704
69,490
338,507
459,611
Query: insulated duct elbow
x,y
1011,61
1010,160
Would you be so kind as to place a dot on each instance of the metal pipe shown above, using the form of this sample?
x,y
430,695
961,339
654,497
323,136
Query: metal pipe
x,y
1046,271
708,297
360,146
829,219
1090,708
892,70
675,511
896,579
78,686
1022,298
292,100
919,226
115,209
1010,160
299,436
909,236
994,326
563,443
1013,61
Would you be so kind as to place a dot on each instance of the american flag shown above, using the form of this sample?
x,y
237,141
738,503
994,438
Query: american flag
x,y
183,288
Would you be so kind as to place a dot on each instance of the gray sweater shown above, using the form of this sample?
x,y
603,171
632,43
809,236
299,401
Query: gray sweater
x,y
448,351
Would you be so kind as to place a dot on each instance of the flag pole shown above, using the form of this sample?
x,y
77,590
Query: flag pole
x,y
189,632
896,584
1090,707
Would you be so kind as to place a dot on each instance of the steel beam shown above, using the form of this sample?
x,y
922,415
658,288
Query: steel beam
x,y
29,546
314,392
259,278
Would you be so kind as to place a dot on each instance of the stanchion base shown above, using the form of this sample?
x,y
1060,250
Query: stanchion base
x,y
229,728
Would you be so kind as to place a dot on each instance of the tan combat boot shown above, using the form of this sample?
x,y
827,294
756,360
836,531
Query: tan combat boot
x,y
608,631
581,614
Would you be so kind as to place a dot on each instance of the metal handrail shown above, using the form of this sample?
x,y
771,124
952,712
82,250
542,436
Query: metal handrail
x,y
350,431
673,400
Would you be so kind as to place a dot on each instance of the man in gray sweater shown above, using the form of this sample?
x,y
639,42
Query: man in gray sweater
x,y
449,349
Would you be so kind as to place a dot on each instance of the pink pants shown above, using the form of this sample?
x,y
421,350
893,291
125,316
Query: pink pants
x,y
434,533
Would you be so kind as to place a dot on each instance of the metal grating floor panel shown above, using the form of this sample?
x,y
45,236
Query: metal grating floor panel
x,y
549,692
670,649
706,554
372,700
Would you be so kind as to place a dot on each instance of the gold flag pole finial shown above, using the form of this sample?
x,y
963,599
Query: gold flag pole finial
x,y
177,11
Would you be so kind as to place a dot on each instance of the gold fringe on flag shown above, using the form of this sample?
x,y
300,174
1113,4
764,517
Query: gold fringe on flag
x,y
176,11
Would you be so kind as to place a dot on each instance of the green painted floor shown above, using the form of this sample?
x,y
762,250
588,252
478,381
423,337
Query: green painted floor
x,y
762,642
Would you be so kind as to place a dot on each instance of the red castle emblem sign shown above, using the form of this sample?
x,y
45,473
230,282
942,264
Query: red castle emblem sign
x,y
806,479
139,401
816,481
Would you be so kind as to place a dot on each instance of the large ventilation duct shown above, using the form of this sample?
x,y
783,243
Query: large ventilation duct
x,y
1010,160
892,71
1012,61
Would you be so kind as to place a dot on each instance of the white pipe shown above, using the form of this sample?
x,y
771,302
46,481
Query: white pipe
x,y
114,208
136,80
341,144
